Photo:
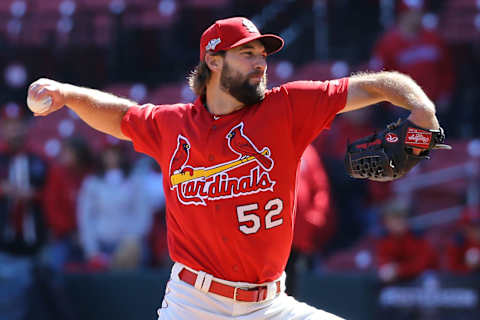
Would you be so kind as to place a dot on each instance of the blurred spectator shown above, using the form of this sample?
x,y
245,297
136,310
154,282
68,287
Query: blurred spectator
x,y
314,220
463,253
22,232
114,214
22,177
149,171
60,198
352,218
401,254
419,52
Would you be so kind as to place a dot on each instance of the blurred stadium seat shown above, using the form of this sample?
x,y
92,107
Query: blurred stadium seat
x,y
360,257
322,70
98,6
171,93
460,21
14,8
206,3
103,29
279,72
40,7
46,133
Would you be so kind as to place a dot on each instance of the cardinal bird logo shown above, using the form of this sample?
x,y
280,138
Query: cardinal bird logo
x,y
214,181
243,146
180,157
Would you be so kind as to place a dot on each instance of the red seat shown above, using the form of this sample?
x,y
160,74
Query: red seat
x,y
149,18
457,21
5,6
103,30
360,257
97,6
119,89
172,93
279,72
206,3
43,7
322,70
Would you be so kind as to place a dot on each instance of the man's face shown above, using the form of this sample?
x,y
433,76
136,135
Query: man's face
x,y
243,73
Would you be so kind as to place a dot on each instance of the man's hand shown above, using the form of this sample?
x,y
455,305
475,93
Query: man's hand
x,y
424,117
45,88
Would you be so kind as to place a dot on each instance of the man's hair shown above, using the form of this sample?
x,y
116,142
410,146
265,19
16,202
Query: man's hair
x,y
198,77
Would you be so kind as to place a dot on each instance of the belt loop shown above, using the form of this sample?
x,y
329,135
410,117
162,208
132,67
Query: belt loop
x,y
271,290
282,282
235,293
199,280
206,283
176,269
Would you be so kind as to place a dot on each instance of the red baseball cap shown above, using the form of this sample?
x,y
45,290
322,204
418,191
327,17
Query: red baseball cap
x,y
233,32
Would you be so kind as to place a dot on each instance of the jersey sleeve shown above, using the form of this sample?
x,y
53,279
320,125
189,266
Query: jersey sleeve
x,y
314,105
141,125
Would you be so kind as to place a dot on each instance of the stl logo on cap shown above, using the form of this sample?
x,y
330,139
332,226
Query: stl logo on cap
x,y
250,26
212,44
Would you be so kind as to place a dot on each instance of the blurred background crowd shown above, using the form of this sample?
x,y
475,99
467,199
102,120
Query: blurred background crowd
x,y
76,201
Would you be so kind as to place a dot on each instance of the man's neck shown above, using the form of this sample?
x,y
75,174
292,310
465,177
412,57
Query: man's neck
x,y
219,102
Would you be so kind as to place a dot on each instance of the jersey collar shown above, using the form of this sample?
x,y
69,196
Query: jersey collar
x,y
210,117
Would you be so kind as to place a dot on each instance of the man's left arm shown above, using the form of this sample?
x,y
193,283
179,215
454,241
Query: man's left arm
x,y
365,89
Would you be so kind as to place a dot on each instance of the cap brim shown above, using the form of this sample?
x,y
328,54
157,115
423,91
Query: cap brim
x,y
271,42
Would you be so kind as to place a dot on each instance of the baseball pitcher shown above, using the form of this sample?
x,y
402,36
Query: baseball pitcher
x,y
230,162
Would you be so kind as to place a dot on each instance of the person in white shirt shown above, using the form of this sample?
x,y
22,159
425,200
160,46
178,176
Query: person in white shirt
x,y
114,214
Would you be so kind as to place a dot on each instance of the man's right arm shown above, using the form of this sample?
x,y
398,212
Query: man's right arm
x,y
100,110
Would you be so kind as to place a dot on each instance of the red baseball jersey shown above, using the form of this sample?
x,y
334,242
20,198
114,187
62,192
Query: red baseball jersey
x,y
230,180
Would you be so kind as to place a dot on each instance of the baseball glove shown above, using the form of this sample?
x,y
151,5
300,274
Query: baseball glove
x,y
389,155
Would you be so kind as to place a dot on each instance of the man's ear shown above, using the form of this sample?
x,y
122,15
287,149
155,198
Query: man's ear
x,y
214,62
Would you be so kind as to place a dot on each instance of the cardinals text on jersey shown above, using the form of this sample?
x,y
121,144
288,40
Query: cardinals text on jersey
x,y
195,185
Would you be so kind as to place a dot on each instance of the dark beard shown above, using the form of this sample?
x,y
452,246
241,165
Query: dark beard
x,y
241,89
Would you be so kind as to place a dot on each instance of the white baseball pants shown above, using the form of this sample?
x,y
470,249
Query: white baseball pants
x,y
185,302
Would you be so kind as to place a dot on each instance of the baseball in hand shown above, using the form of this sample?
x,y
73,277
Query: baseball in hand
x,y
39,105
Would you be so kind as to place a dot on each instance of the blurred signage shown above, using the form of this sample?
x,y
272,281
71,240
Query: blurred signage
x,y
429,293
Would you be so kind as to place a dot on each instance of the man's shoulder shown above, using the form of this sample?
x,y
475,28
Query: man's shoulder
x,y
168,107
304,85
168,110
283,88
